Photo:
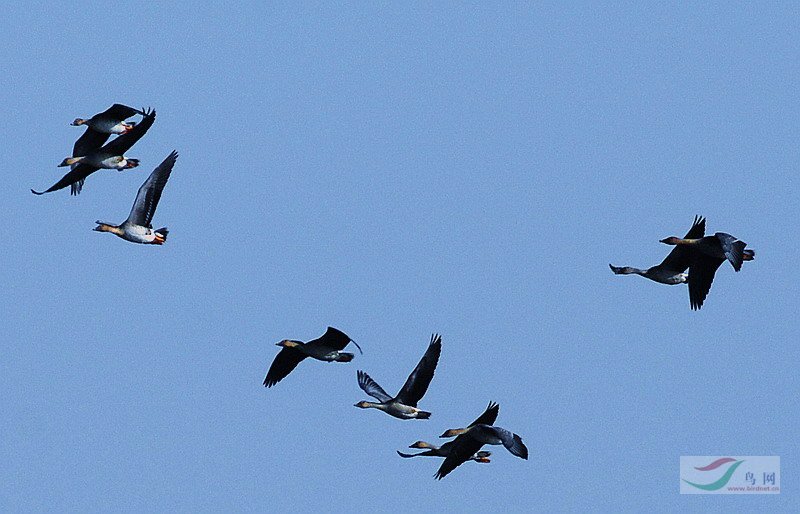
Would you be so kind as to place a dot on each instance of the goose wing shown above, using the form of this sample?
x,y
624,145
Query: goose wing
x,y
286,360
123,143
623,270
333,338
372,388
418,381
701,275
150,192
681,256
407,455
445,449
733,248
489,416
118,112
426,453
464,447
90,141
75,177
512,442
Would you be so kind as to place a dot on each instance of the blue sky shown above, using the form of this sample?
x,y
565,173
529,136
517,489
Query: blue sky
x,y
395,170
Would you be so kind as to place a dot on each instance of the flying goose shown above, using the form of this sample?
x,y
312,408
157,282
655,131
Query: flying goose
x,y
487,418
110,121
441,451
706,255
100,127
404,405
109,156
671,270
469,440
326,348
138,228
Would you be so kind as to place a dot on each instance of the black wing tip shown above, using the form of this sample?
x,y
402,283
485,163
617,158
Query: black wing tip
x,y
522,448
340,338
122,110
331,331
436,339
442,473
170,159
738,251
38,192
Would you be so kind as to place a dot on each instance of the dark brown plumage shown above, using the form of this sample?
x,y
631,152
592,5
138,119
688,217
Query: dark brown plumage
x,y
327,347
117,147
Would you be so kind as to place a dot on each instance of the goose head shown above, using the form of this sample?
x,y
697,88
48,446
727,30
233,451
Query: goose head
x,y
69,161
453,432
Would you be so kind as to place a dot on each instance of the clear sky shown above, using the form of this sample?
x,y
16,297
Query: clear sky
x,y
393,170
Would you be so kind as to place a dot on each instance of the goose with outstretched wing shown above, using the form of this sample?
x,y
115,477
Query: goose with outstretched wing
x,y
706,255
404,405
327,348
468,441
100,127
109,156
672,268
138,227
488,417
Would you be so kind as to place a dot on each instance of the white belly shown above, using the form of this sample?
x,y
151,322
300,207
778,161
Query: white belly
x,y
113,163
108,127
138,234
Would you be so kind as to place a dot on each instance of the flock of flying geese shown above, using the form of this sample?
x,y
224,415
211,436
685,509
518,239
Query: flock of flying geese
x,y
91,153
701,255
468,441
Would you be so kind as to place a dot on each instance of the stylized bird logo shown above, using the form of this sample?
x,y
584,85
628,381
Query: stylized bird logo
x,y
724,479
